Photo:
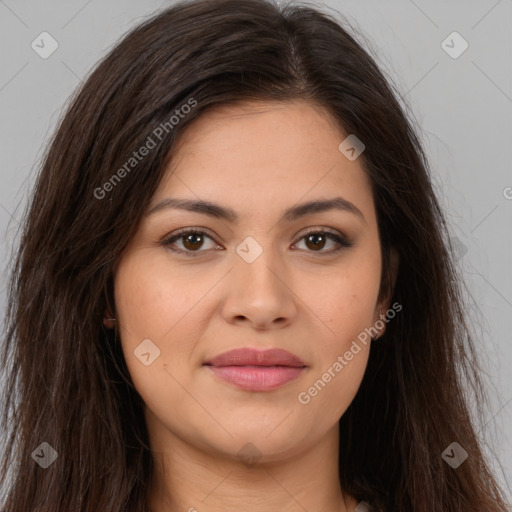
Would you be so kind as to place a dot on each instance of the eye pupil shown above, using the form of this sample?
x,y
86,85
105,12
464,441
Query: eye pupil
x,y
315,236
195,245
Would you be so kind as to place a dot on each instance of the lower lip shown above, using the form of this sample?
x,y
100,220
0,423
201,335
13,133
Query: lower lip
x,y
257,378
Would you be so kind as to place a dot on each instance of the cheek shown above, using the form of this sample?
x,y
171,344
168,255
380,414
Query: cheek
x,y
152,298
340,364
346,298
162,304
346,302
333,388
151,304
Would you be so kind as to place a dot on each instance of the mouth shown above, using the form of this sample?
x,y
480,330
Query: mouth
x,y
255,370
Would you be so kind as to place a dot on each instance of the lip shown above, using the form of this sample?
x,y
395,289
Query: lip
x,y
251,357
257,370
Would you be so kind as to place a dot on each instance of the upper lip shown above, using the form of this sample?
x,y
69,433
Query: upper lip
x,y
252,357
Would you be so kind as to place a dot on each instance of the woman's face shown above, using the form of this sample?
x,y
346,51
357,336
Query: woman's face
x,y
252,279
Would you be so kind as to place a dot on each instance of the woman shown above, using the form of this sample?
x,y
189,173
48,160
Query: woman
x,y
235,288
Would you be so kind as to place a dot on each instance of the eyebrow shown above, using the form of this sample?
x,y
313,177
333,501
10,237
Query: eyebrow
x,y
221,212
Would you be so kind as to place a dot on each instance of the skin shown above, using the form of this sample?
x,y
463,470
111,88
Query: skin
x,y
257,159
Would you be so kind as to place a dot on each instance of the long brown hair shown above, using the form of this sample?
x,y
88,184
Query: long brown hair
x,y
67,383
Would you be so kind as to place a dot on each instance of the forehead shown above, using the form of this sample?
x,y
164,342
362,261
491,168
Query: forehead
x,y
262,154
261,130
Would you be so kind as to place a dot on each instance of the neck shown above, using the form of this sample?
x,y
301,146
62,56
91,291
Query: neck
x,y
197,479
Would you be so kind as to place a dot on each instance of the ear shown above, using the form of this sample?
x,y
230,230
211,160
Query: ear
x,y
387,287
108,320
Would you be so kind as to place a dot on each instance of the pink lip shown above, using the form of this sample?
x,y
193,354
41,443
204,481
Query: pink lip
x,y
257,370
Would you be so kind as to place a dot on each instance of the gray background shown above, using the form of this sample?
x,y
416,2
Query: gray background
x,y
462,107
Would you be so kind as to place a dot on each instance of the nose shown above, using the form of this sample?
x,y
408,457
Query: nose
x,y
259,294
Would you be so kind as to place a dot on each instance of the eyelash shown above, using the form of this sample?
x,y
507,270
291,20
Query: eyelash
x,y
340,240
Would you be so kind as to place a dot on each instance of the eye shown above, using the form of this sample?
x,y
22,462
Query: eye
x,y
193,239
316,239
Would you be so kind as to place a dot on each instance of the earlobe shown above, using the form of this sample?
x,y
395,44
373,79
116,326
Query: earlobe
x,y
108,321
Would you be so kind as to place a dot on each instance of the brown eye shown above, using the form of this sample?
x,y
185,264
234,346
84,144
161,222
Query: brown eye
x,y
317,239
192,242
